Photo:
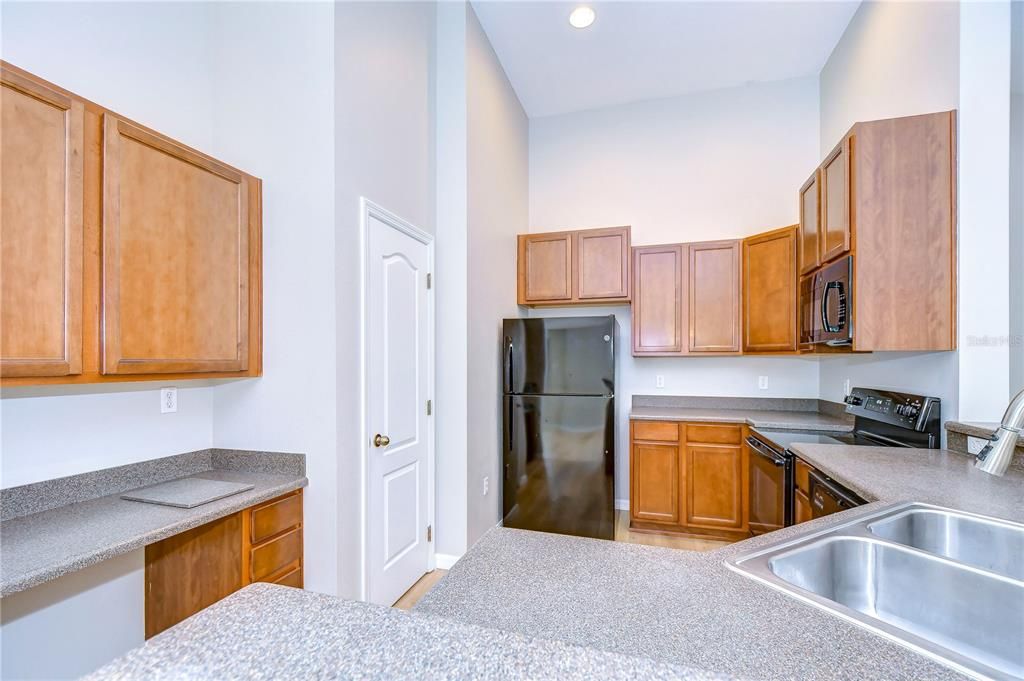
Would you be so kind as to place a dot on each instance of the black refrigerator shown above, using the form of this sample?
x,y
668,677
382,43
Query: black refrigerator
x,y
558,434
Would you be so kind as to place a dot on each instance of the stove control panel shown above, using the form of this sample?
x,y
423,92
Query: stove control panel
x,y
898,409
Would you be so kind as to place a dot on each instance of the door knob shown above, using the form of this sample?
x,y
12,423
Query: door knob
x,y
381,440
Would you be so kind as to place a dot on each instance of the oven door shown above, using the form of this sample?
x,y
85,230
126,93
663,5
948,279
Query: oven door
x,y
833,303
768,470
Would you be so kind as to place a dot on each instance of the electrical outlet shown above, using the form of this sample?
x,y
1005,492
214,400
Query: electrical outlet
x,y
762,382
659,381
487,485
975,444
168,400
846,387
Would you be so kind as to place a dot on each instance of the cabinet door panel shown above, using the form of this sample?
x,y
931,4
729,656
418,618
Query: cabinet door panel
x,y
835,198
191,571
809,223
801,508
545,267
769,292
175,257
654,473
41,229
658,299
714,296
603,263
715,483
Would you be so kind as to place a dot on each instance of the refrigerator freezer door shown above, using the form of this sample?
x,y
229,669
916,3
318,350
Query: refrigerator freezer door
x,y
559,458
559,356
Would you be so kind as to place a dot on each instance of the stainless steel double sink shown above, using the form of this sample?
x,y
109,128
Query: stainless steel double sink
x,y
945,583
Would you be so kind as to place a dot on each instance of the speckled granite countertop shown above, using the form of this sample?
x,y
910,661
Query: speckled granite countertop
x,y
47,544
758,418
272,632
688,608
935,476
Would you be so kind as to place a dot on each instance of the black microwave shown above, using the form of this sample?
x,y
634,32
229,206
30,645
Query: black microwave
x,y
826,305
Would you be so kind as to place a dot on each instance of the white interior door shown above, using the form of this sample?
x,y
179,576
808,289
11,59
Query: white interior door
x,y
398,384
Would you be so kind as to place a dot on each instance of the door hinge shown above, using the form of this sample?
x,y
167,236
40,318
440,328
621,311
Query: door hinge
x,y
430,407
429,279
430,533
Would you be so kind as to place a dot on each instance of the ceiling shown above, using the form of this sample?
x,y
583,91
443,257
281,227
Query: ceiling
x,y
648,50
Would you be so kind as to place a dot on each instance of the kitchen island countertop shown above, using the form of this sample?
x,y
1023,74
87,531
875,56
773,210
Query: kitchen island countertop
x,y
270,632
691,609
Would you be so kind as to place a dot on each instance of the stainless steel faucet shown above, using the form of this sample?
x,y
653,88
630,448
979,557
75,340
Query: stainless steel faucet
x,y
996,455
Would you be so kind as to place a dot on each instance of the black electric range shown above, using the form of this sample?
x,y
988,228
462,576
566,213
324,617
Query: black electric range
x,y
882,418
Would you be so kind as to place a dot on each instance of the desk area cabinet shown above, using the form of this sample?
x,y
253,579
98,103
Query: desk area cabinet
x,y
193,570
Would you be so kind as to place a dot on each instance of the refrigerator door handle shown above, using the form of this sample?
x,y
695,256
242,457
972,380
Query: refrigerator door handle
x,y
511,423
508,364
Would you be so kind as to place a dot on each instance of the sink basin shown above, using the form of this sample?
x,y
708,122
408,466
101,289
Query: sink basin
x,y
943,583
963,610
981,542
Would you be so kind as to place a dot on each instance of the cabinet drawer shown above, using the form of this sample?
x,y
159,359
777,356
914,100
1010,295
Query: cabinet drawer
x,y
293,578
803,482
714,434
275,555
275,517
663,431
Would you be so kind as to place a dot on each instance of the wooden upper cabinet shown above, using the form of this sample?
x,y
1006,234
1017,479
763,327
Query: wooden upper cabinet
x,y
124,255
602,264
713,283
904,207
659,276
809,252
770,291
587,267
545,268
41,229
834,232
175,257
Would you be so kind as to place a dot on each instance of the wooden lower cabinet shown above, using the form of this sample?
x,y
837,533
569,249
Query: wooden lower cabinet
x,y
802,491
654,482
193,570
690,478
714,494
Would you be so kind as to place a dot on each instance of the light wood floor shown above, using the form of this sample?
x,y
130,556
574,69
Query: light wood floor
x,y
419,590
622,533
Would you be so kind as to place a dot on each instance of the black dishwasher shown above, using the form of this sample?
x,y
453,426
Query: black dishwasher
x,y
828,496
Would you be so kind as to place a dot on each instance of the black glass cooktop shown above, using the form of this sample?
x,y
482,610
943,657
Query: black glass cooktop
x,y
784,438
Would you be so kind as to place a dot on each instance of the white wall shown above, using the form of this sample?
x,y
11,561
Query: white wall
x,y
149,62
720,164
280,127
1016,254
984,202
498,206
895,59
451,299
384,150
73,625
251,83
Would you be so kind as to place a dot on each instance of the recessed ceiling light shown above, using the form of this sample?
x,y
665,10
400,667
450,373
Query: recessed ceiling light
x,y
582,17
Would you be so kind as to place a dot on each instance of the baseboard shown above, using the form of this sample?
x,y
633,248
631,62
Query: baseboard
x,y
445,561
622,504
